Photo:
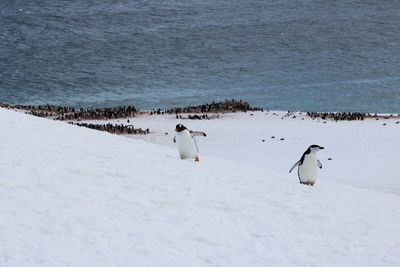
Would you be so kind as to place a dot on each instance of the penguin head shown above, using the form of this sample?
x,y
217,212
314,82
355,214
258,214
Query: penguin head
x,y
180,127
315,148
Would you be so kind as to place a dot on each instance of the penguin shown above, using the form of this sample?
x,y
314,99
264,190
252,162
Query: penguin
x,y
186,143
308,163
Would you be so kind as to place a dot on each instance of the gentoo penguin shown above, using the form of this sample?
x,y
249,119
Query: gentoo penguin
x,y
186,143
308,163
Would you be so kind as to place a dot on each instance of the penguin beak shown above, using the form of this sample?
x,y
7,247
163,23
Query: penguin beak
x,y
321,147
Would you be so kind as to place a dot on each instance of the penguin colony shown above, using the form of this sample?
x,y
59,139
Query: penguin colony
x,y
337,116
111,128
343,116
69,113
226,106
98,113
198,117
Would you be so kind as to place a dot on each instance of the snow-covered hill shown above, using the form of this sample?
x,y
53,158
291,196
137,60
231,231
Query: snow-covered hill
x,y
364,154
71,196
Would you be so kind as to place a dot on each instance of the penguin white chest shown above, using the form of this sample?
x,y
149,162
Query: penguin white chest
x,y
308,170
186,144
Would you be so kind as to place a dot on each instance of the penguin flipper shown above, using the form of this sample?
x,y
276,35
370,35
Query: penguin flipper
x,y
319,164
174,139
194,133
296,164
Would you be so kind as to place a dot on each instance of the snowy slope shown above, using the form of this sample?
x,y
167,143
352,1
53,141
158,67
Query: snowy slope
x,y
71,196
364,153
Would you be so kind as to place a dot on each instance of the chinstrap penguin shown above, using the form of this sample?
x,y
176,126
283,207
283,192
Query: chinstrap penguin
x,y
308,164
186,143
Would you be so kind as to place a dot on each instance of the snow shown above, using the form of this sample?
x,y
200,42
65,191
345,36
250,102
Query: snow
x,y
72,196
364,153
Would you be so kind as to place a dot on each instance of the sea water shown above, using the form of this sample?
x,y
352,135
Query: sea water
x,y
341,55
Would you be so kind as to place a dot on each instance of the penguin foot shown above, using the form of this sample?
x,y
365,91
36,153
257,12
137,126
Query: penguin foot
x,y
197,159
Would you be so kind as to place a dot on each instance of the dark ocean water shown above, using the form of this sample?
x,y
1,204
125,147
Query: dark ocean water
x,y
338,55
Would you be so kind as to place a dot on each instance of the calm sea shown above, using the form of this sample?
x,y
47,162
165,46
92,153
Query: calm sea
x,y
340,55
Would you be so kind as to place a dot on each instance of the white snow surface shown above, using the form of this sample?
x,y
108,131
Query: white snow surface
x,y
72,196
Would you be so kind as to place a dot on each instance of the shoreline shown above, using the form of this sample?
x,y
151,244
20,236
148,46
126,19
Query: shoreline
x,y
108,119
227,106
